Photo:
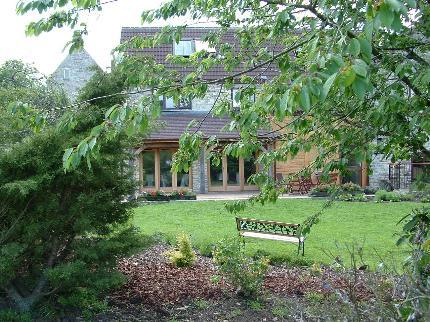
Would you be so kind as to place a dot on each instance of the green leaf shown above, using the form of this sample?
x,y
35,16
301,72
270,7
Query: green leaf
x,y
67,154
386,15
359,86
347,77
109,111
354,47
327,85
360,68
305,100
366,49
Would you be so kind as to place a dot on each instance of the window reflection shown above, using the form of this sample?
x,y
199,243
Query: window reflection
x,y
148,177
165,166
216,174
233,176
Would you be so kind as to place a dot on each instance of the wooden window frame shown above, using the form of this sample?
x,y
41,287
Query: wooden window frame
x,y
157,174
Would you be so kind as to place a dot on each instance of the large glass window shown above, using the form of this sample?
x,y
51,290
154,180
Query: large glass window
x,y
216,174
353,173
249,167
165,166
148,178
182,179
233,177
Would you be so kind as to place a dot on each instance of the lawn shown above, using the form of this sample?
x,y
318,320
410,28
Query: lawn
x,y
370,225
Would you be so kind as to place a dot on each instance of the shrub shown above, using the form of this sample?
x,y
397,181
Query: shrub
x,y
322,190
351,188
383,195
184,255
61,234
416,233
370,190
245,273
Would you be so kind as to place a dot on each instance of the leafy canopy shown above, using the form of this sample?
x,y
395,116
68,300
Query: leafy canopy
x,y
351,72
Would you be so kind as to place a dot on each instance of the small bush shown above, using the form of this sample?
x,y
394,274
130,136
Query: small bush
x,y
184,255
351,188
370,191
383,195
245,273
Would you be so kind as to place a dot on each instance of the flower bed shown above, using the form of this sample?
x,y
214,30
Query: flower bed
x,y
162,196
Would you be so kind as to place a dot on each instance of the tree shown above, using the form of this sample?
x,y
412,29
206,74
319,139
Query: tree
x,y
22,84
61,234
351,72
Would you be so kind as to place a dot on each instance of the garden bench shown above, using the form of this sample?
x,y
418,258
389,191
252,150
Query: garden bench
x,y
273,230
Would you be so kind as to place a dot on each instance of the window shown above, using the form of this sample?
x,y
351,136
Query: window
x,y
216,174
148,178
167,103
233,176
249,168
165,166
182,179
184,48
66,73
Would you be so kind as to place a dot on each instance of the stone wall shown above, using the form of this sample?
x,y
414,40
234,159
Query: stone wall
x,y
206,103
380,172
78,68
199,173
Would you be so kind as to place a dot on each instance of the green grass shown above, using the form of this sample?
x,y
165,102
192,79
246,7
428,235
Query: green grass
x,y
370,225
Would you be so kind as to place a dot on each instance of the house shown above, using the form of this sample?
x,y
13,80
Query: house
x,y
74,72
155,155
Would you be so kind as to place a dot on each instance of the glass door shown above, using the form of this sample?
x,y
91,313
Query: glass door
x,y
233,172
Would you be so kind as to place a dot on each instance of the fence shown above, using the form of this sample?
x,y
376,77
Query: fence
x,y
402,174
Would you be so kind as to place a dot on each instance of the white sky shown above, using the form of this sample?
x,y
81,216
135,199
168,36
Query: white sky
x,y
45,52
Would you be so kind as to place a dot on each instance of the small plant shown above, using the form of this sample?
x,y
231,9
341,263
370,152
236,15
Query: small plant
x,y
370,191
201,304
184,255
322,190
280,311
352,188
316,269
245,273
383,195
314,297
255,305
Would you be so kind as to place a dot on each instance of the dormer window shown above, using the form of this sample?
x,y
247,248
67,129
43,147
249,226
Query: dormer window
x,y
167,103
184,48
66,73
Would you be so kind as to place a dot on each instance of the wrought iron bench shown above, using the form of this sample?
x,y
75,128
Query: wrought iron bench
x,y
273,230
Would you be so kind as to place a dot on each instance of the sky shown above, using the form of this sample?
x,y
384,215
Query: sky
x,y
45,52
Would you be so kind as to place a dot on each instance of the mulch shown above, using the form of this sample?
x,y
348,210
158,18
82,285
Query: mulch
x,y
152,280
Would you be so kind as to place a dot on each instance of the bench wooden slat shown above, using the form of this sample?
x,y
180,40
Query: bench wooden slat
x,y
290,239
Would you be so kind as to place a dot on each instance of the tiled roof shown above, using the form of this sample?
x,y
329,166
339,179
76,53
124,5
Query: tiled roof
x,y
160,52
172,124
